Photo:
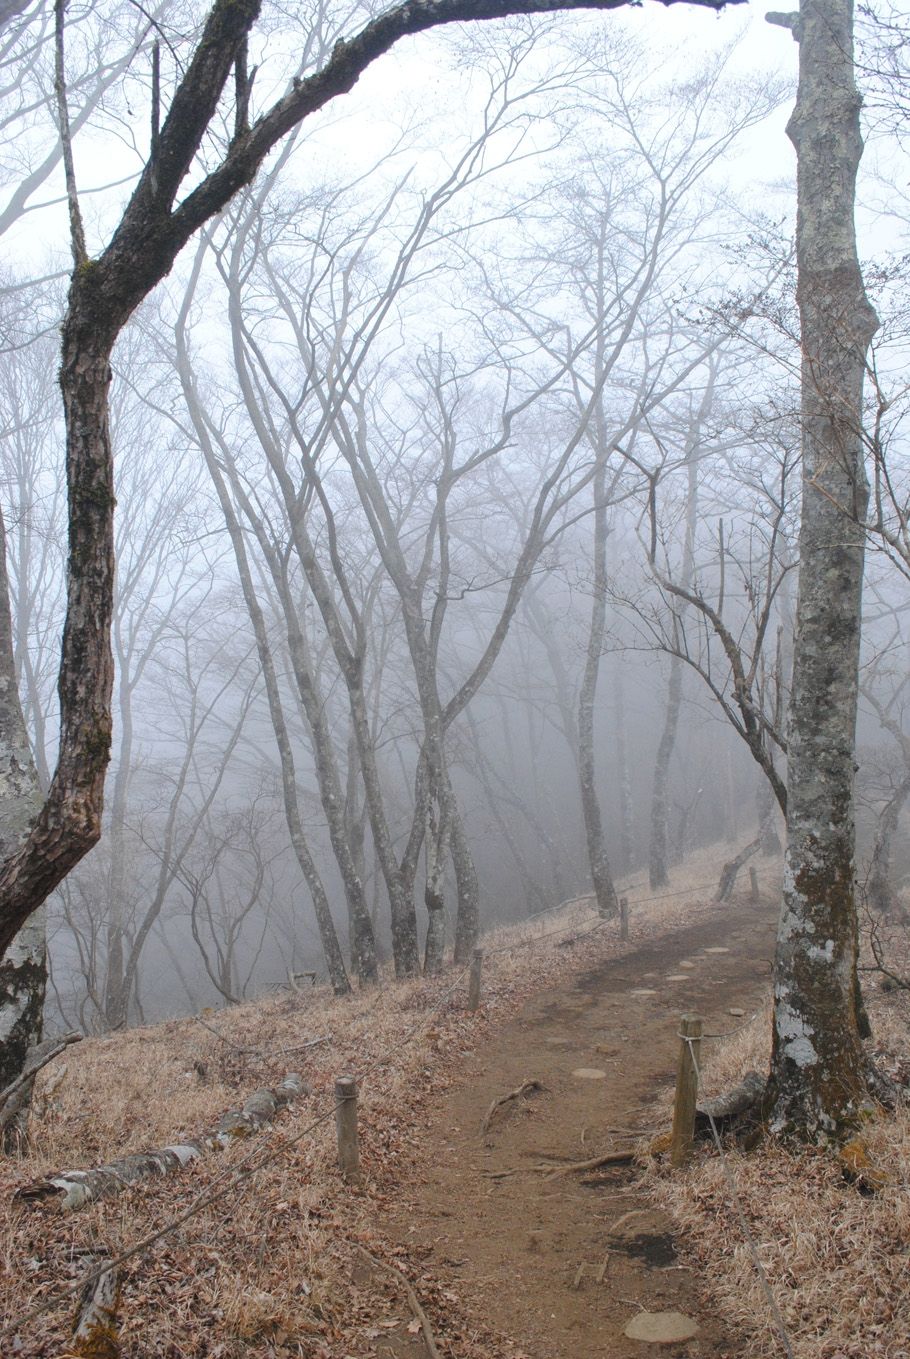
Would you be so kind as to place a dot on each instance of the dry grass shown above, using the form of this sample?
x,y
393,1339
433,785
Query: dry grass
x,y
272,1268
838,1261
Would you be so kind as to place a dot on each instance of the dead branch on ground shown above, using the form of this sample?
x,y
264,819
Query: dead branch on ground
x,y
413,1300
17,1092
95,1327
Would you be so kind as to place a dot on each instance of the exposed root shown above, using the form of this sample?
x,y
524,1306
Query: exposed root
x,y
526,1088
551,1172
611,1158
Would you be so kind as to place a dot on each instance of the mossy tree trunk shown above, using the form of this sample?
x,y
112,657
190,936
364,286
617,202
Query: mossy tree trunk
x,y
818,1070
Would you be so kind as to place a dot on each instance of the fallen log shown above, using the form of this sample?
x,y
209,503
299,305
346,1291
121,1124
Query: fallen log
x,y
73,1189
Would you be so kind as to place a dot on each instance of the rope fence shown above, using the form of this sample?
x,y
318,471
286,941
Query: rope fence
x,y
258,1158
261,1157
608,920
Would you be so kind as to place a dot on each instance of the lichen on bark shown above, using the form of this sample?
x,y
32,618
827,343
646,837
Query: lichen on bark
x,y
818,1083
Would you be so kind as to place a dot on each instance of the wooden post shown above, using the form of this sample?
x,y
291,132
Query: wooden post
x,y
753,883
623,918
346,1127
474,980
686,1090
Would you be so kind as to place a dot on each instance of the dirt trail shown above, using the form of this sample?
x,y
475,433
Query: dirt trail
x,y
512,1248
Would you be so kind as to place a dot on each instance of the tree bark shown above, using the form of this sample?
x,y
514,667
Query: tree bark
x,y
818,1071
629,854
879,891
660,804
436,845
23,967
601,875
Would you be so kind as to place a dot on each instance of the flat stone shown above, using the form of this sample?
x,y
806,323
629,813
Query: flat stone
x,y
642,991
661,1328
589,1073
677,976
737,1014
715,950
685,964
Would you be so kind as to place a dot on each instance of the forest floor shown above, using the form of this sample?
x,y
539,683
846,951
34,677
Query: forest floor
x,y
265,1253
562,1265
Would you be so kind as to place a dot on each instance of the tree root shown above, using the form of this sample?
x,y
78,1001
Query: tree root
x,y
610,1158
524,1089
549,1172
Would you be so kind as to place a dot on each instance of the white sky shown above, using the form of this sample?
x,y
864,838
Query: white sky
x,y
419,76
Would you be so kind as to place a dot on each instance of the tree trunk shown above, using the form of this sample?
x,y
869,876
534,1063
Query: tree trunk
x,y
436,848
818,1072
879,891
629,856
601,876
467,924
660,804
768,810
23,968
331,948
116,998
334,803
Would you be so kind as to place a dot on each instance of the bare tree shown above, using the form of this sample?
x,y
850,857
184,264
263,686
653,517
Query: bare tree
x,y
720,611
226,898
819,1074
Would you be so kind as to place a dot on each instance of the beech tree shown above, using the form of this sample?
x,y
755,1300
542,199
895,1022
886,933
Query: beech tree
x,y
819,1072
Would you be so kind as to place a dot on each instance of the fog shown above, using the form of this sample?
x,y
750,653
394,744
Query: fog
x,y
458,496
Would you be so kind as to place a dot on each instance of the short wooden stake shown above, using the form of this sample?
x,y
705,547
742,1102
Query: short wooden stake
x,y
346,1127
623,918
753,882
686,1090
474,980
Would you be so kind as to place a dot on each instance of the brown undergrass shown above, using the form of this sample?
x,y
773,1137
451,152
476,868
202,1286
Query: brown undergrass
x,y
273,1269
837,1258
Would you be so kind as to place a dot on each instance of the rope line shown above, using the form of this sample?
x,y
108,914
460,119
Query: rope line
x,y
248,1165
730,1033
743,1221
229,1178
566,929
